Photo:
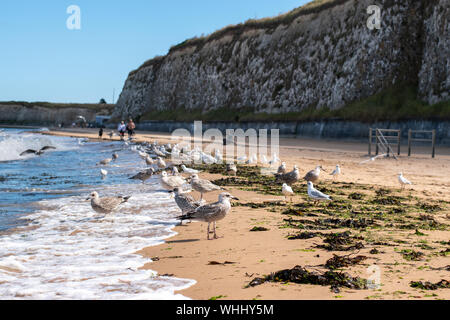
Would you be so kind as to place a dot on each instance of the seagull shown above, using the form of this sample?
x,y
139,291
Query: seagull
x,y
241,159
315,194
211,213
218,156
274,159
374,158
143,155
144,175
171,182
253,159
105,162
104,173
336,171
37,152
231,168
289,177
403,181
115,156
149,161
189,170
161,163
313,175
263,160
282,168
107,204
202,185
186,202
175,171
287,191
111,134
208,159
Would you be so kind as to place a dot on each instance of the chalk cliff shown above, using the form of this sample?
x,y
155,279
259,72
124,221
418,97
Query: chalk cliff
x,y
322,54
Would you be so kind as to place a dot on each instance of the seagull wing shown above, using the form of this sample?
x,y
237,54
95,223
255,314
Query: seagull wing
x,y
28,152
314,193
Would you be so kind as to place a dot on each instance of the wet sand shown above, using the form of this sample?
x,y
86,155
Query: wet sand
x,y
255,254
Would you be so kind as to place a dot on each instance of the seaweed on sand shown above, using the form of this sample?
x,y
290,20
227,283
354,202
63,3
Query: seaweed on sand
x,y
443,284
338,262
300,275
382,192
298,212
389,200
360,223
258,229
412,255
329,223
356,196
343,241
429,208
304,235
265,204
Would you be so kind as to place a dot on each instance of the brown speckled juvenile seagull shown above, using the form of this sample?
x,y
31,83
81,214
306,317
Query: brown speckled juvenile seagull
x,y
107,204
211,212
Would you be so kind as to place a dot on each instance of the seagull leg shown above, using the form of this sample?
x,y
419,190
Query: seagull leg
x,y
215,235
208,229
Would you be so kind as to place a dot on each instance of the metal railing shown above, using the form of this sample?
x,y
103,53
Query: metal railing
x,y
382,141
411,139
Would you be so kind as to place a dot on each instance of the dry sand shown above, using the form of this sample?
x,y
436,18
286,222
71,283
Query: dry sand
x,y
254,254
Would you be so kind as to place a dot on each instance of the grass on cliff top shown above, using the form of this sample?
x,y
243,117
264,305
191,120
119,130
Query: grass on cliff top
x,y
393,104
52,105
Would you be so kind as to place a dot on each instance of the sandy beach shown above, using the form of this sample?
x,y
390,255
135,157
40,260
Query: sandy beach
x,y
414,220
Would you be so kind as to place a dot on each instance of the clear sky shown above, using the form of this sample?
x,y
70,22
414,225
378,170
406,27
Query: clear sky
x,y
42,60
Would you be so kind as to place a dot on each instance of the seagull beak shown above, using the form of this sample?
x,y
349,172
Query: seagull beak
x,y
87,199
235,198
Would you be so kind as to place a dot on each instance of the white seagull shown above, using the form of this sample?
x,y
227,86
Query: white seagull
x,y
315,194
336,171
403,181
374,158
189,170
287,191
104,173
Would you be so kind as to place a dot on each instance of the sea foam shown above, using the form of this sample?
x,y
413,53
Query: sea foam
x,y
70,252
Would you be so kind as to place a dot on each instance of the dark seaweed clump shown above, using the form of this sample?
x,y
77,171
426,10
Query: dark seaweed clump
x,y
430,208
389,200
443,284
265,204
356,196
304,235
300,275
338,262
341,242
412,255
256,229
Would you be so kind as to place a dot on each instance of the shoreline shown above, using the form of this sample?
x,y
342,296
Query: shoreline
x,y
39,206
188,255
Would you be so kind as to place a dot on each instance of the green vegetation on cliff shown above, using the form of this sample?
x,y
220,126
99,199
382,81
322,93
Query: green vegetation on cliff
x,y
393,104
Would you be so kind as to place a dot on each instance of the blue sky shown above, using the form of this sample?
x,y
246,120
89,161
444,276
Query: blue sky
x,y
42,60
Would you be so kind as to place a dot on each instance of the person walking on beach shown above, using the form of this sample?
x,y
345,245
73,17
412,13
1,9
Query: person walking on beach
x,y
130,128
100,133
121,130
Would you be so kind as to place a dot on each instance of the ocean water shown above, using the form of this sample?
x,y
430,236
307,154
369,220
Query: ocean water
x,y
54,246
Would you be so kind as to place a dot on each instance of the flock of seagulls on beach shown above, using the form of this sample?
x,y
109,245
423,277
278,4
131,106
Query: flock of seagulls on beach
x,y
179,186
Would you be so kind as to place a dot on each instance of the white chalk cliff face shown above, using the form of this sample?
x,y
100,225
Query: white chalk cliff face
x,y
322,57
